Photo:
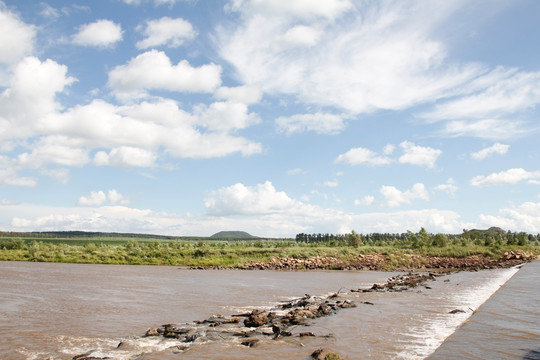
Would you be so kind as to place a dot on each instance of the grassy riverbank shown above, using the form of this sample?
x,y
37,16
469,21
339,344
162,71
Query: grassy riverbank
x,y
284,253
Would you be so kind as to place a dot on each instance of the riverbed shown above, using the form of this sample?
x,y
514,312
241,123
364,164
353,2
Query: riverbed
x,y
58,311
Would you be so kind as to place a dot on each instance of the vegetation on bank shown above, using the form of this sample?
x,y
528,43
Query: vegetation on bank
x,y
101,249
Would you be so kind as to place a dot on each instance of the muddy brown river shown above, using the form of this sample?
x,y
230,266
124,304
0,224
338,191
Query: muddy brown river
x,y
57,311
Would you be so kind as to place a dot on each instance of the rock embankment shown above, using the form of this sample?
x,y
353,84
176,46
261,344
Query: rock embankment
x,y
395,262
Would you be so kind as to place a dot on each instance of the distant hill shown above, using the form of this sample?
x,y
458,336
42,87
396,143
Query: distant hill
x,y
232,235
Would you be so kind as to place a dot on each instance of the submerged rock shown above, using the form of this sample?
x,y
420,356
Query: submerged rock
x,y
325,354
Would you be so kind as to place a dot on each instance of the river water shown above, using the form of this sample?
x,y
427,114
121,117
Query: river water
x,y
57,311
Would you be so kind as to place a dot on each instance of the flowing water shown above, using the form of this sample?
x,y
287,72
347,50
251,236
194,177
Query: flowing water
x,y
56,311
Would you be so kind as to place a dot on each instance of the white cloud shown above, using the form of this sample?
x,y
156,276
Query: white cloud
x,y
248,200
17,40
351,65
418,155
156,2
241,94
125,156
298,36
49,12
490,106
54,149
31,97
525,217
321,123
131,135
360,155
332,183
116,198
94,199
153,70
493,129
166,31
367,200
60,175
499,92
299,8
389,149
450,187
508,177
496,148
8,176
24,217
225,116
98,198
395,197
101,33
296,171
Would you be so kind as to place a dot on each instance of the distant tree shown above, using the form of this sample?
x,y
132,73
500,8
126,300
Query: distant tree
x,y
425,238
440,240
354,239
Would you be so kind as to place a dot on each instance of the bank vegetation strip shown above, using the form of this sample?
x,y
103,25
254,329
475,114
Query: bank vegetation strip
x,y
472,249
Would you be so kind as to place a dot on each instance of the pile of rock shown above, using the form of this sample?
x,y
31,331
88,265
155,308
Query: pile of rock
x,y
402,282
291,263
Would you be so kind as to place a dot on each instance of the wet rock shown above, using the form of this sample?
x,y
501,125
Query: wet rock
x,y
152,332
256,319
325,354
88,356
346,304
250,342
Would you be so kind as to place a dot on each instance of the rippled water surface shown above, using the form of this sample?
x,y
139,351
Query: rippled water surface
x,y
57,311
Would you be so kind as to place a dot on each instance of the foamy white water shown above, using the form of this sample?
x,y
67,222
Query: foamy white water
x,y
428,336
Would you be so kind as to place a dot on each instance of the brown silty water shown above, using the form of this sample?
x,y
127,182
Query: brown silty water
x,y
58,311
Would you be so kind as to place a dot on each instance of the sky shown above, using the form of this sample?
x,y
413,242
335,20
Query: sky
x,y
185,117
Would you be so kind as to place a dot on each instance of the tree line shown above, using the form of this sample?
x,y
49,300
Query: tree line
x,y
423,238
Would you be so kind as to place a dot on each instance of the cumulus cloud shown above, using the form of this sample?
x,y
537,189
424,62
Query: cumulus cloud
x,y
8,176
248,200
225,116
153,70
525,217
101,33
450,187
356,156
395,197
508,177
418,155
53,149
31,97
125,156
320,123
110,135
166,32
367,200
97,198
496,148
240,94
18,39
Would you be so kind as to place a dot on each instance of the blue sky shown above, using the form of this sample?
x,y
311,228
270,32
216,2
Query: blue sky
x,y
268,116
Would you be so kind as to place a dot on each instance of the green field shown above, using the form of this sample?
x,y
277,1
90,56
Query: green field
x,y
104,248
